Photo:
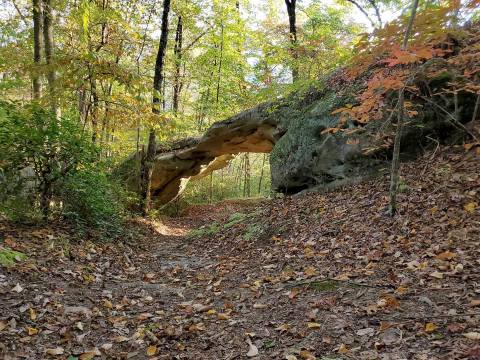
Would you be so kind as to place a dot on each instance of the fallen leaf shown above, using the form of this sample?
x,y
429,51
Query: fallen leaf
x,y
366,331
88,355
446,255
151,350
32,331
430,327
391,302
290,357
3,325
259,306
342,277
33,314
57,351
472,335
252,349
120,338
475,302
470,207
108,304
456,328
342,349
313,325
283,327
306,355
310,271
293,293
401,290
223,316
437,275
17,288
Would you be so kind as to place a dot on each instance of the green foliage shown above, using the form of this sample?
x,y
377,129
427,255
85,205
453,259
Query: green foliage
x,y
91,200
48,163
324,285
36,151
9,257
210,230
253,231
234,219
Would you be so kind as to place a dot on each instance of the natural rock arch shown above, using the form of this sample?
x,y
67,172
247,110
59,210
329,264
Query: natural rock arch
x,y
303,155
249,131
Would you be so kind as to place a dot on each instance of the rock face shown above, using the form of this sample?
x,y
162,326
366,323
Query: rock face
x,y
250,131
303,156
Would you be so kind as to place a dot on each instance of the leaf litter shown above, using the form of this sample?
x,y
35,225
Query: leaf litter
x,y
325,276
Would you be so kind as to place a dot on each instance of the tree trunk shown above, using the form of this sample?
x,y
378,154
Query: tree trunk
x,y
261,175
293,36
395,171
149,156
37,47
94,108
219,75
48,42
177,51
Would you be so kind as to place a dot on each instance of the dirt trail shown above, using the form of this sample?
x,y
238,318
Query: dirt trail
x,y
320,276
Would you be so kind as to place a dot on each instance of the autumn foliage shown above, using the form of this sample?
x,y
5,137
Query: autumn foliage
x,y
440,48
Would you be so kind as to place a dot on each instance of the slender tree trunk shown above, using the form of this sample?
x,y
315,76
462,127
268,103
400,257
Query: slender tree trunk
x,y
293,36
94,108
219,76
210,188
395,171
261,174
177,51
49,49
37,47
149,156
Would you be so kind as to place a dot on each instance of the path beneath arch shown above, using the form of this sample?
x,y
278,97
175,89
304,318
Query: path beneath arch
x,y
253,130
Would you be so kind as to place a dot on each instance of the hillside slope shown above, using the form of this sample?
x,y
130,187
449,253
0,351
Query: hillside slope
x,y
314,276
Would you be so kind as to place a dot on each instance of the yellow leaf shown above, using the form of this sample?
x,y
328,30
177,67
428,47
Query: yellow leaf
x,y
33,314
151,350
211,312
430,327
342,349
470,207
108,304
32,331
313,325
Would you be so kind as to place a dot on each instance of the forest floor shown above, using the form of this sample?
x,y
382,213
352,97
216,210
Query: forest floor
x,y
314,276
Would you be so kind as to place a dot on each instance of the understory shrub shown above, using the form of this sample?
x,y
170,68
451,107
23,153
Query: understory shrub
x,y
92,201
49,169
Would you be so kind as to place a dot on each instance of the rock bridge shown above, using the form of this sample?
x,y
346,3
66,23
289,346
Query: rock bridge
x,y
303,156
253,130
